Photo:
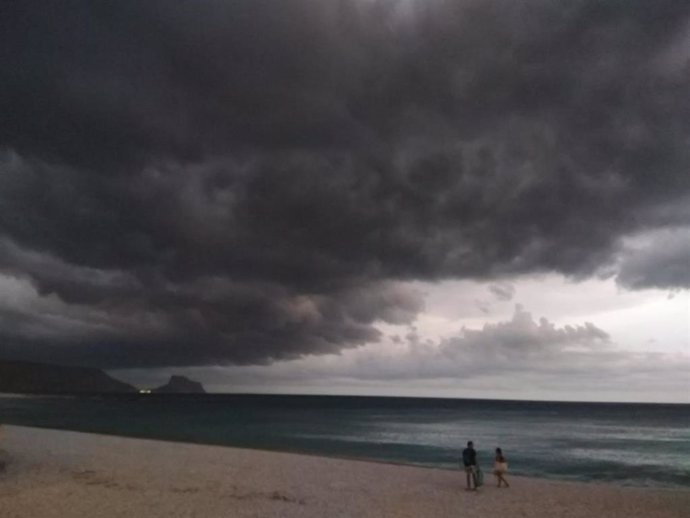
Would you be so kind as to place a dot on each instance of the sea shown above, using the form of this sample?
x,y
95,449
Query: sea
x,y
625,444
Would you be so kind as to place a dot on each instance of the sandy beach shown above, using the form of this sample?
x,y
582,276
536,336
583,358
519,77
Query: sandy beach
x,y
52,473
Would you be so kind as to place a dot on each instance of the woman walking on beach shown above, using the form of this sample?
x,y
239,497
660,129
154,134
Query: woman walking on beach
x,y
500,467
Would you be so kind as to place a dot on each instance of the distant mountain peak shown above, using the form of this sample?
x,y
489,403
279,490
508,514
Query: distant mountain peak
x,y
180,385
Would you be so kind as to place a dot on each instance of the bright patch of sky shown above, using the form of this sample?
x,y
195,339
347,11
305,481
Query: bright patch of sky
x,y
587,340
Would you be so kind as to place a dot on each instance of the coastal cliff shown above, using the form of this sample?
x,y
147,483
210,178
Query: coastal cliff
x,y
39,378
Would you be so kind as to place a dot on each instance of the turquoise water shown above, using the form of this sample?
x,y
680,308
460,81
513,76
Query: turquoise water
x,y
645,445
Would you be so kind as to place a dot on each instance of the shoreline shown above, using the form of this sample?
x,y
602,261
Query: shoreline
x,y
346,396
488,475
74,474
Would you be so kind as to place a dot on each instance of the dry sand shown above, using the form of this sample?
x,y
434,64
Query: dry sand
x,y
67,474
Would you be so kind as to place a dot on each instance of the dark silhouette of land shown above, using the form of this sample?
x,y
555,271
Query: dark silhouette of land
x,y
39,378
180,385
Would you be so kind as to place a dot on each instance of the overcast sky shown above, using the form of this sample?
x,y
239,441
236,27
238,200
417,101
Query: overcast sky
x,y
451,198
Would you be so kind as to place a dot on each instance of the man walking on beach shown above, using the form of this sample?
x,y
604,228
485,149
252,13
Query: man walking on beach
x,y
469,460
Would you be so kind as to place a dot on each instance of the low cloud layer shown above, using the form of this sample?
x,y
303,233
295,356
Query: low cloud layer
x,y
521,344
519,357
199,183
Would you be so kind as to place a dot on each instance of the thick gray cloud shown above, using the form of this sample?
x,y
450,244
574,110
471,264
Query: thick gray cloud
x,y
256,177
661,261
521,344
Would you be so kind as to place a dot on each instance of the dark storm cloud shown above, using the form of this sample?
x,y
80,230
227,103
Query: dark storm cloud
x,y
255,177
662,262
